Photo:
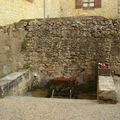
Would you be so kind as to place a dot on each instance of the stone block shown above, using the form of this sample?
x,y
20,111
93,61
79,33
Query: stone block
x,y
15,83
117,85
106,90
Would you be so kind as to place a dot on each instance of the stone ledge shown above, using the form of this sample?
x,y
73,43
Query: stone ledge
x,y
106,90
15,83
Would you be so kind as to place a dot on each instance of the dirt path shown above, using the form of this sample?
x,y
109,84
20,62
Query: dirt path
x,y
30,108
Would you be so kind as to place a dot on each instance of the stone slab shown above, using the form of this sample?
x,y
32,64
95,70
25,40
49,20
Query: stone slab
x,y
15,83
106,90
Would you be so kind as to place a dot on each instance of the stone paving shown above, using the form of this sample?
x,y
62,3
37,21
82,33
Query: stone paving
x,y
31,108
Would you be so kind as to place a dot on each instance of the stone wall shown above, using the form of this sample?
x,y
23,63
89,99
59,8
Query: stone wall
x,y
63,46
58,47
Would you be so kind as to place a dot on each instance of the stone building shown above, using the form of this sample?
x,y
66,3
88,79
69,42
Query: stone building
x,y
14,10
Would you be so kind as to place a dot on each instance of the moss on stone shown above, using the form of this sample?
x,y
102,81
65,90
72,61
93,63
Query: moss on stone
x,y
24,45
27,66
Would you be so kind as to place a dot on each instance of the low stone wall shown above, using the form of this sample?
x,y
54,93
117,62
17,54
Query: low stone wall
x,y
106,90
15,83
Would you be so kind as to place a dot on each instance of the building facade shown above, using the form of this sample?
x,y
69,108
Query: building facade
x,y
14,10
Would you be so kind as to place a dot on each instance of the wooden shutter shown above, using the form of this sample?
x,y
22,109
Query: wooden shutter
x,y
98,3
78,4
30,1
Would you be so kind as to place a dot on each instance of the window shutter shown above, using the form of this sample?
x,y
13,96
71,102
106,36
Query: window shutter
x,y
97,3
78,4
30,1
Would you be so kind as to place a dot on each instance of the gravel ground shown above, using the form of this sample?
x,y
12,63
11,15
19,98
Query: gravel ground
x,y
31,108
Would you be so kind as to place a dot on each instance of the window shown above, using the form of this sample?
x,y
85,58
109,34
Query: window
x,y
88,4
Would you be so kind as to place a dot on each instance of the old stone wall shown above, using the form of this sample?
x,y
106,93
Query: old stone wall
x,y
63,46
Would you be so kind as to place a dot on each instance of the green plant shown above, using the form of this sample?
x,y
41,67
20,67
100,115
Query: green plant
x,y
27,66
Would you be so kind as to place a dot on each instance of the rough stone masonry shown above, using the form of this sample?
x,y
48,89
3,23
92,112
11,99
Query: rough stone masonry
x,y
61,46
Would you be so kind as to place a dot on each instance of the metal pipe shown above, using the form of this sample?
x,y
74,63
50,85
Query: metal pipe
x,y
44,8
53,91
